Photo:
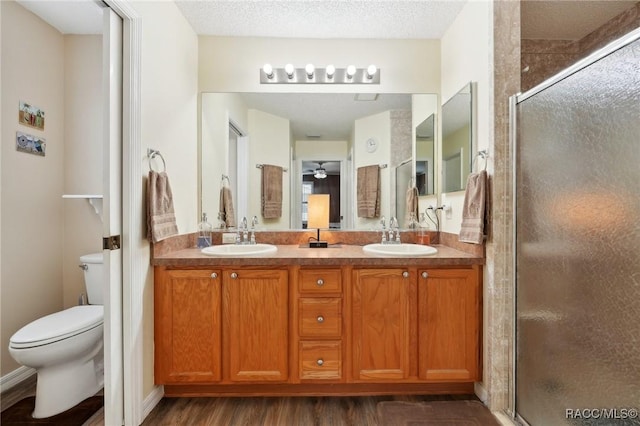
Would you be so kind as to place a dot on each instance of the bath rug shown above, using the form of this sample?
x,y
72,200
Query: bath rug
x,y
20,413
435,413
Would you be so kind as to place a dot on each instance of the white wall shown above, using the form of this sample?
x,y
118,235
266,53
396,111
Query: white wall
x,y
169,124
83,146
269,143
467,55
32,186
232,64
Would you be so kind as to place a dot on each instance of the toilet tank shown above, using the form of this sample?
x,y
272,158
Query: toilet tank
x,y
93,267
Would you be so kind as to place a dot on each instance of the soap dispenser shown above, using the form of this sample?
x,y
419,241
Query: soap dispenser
x,y
423,228
204,232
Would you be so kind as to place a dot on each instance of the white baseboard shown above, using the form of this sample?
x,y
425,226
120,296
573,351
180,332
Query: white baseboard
x,y
504,419
17,376
151,401
481,392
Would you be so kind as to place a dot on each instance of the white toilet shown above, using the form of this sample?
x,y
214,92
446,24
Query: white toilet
x,y
65,348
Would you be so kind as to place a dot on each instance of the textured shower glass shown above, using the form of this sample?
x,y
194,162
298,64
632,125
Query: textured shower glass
x,y
578,246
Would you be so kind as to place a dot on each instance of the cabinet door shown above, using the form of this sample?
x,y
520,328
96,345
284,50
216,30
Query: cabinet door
x,y
187,326
257,320
449,324
381,300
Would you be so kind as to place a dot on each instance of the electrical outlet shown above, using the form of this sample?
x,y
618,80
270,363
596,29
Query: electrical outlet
x,y
228,238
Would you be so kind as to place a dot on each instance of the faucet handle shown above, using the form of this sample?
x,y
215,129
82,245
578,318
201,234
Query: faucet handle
x,y
383,223
254,221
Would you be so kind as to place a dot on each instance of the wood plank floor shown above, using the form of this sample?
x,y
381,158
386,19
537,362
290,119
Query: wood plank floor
x,y
266,411
277,411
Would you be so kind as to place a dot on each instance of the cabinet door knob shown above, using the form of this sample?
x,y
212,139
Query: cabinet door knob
x,y
320,319
320,282
234,275
425,274
320,362
405,274
214,275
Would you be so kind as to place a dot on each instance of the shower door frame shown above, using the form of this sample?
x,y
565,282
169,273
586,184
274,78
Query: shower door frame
x,y
513,132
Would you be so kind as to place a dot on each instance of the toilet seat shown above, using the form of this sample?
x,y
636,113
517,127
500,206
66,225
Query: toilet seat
x,y
58,326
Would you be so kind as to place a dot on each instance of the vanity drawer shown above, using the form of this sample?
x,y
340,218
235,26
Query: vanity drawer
x,y
320,360
320,317
320,281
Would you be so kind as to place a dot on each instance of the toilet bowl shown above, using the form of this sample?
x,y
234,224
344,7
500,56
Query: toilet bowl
x,y
66,349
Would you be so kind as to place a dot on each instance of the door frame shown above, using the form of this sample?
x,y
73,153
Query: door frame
x,y
134,255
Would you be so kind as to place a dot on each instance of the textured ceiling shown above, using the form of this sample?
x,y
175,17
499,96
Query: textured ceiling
x,y
386,19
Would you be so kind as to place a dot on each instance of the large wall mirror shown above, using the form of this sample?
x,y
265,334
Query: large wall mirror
x,y
457,139
320,139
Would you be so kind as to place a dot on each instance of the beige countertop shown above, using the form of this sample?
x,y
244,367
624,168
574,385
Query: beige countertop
x,y
336,255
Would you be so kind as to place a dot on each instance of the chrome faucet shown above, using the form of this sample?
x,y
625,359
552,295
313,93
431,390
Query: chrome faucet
x,y
254,222
384,228
391,235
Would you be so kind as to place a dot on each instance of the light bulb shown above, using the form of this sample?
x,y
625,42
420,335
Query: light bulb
x,y
289,70
309,70
331,70
268,70
351,71
371,71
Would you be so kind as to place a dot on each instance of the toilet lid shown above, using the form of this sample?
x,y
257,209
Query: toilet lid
x,y
58,326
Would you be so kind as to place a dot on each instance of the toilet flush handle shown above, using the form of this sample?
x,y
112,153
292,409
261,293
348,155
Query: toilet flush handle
x,y
83,266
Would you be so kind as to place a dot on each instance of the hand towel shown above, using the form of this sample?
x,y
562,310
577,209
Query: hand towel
x,y
271,191
368,191
227,213
474,208
412,205
161,219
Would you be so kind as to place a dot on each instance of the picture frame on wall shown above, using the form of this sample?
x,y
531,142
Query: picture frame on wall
x,y
31,144
30,115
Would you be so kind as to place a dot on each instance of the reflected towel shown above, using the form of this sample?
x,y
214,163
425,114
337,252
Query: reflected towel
x,y
227,213
412,205
368,191
271,191
161,219
474,208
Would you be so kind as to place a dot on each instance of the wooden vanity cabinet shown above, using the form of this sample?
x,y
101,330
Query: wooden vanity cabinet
x,y
320,325
449,324
221,325
381,326
256,321
188,333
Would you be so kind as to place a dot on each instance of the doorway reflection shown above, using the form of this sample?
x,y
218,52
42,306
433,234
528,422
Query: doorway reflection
x,y
322,177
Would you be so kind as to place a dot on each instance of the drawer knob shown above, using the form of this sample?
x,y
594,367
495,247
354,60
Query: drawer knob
x,y
214,275
425,275
320,319
320,282
320,362
234,275
405,274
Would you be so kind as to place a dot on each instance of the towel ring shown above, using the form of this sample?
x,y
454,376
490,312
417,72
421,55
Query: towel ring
x,y
152,154
484,154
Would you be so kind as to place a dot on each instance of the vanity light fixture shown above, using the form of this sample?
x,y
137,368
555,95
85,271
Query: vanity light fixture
x,y
309,69
351,71
289,70
267,69
371,71
310,75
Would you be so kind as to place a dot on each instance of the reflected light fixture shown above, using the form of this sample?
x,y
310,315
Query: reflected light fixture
x,y
320,172
312,75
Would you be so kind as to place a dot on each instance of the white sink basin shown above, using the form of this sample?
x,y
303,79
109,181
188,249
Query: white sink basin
x,y
404,249
240,250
